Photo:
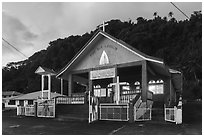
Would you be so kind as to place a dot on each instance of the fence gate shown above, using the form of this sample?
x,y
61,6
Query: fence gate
x,y
30,110
46,108
114,112
170,114
20,111
93,108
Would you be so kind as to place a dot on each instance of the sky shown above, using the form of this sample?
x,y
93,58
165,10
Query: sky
x,y
31,26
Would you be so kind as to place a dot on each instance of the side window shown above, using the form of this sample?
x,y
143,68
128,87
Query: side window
x,y
30,102
12,102
97,90
157,87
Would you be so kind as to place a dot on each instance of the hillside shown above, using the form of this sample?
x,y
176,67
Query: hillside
x,y
178,43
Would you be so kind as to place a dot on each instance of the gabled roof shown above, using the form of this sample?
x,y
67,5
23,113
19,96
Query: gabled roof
x,y
120,42
10,93
44,71
34,95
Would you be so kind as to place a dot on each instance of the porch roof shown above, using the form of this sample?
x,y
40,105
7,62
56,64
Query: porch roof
x,y
34,96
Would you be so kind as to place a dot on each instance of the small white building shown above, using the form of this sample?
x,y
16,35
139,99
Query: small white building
x,y
7,95
26,99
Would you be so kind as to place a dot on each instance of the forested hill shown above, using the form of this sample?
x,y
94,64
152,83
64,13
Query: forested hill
x,y
178,43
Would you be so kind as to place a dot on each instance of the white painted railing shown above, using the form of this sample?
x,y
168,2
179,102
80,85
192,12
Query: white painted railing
x,y
139,101
126,98
127,95
70,100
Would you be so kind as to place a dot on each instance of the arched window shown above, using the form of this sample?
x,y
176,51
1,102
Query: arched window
x,y
157,87
97,86
97,90
137,87
126,86
152,82
110,89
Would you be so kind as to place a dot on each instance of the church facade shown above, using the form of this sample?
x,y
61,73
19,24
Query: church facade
x,y
118,82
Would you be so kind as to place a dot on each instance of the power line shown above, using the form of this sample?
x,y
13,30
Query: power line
x,y
14,47
179,10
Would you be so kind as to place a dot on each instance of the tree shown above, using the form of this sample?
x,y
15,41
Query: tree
x,y
155,14
171,14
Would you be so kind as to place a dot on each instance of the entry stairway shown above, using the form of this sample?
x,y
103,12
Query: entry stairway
x,y
142,110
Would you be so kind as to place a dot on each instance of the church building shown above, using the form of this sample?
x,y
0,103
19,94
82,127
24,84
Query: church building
x,y
114,81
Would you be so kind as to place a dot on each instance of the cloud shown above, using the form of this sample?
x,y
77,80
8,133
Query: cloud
x,y
18,34
31,26
15,31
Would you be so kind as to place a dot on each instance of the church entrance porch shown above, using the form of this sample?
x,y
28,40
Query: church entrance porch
x,y
118,93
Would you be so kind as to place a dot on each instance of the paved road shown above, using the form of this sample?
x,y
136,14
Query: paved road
x,y
13,125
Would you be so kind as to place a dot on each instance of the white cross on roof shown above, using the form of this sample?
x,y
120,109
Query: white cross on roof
x,y
103,25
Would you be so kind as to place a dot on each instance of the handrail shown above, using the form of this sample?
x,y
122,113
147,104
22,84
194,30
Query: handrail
x,y
134,100
70,100
149,95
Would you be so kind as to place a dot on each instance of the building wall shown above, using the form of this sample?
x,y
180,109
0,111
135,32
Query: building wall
x,y
115,52
16,104
7,105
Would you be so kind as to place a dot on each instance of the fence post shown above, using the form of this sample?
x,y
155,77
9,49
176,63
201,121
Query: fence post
x,y
17,110
131,113
54,107
175,117
36,109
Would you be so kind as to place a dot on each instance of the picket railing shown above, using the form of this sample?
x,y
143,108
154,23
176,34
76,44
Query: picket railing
x,y
70,100
127,95
126,98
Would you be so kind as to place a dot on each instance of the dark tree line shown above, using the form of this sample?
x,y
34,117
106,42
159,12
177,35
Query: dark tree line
x,y
178,43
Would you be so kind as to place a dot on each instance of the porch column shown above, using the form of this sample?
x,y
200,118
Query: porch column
x,y
144,81
90,85
167,91
70,85
42,85
49,87
61,80
113,99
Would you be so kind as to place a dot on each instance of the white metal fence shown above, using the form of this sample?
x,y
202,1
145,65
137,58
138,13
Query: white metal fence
x,y
142,114
30,110
170,114
114,112
20,110
46,109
